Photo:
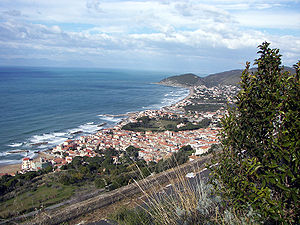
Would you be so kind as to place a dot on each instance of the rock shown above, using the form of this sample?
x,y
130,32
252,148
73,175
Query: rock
x,y
40,143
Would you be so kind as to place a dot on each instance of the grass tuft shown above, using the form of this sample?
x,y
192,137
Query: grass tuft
x,y
185,200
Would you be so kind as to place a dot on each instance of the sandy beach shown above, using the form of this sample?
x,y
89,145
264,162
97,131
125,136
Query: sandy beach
x,y
10,169
191,93
13,168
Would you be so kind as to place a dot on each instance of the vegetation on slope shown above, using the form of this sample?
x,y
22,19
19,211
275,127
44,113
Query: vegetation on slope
x,y
184,80
231,77
36,190
185,200
158,125
259,167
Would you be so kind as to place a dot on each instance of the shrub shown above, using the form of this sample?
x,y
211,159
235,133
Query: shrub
x,y
100,182
259,166
188,201
131,217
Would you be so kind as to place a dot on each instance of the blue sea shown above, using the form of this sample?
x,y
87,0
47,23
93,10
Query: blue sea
x,y
49,105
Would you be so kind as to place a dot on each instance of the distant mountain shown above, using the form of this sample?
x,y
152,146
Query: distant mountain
x,y
184,80
189,79
231,77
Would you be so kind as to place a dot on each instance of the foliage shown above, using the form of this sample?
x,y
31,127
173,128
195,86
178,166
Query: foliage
x,y
36,198
99,172
187,201
9,183
189,126
186,80
104,173
259,166
131,217
175,160
132,152
165,123
203,107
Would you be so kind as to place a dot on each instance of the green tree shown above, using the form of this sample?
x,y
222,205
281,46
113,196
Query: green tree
x,y
133,152
144,120
259,165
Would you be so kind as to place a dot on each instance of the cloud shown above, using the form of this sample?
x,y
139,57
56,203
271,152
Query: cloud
x,y
279,20
13,12
181,34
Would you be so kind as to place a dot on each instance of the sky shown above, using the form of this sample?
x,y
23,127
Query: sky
x,y
200,36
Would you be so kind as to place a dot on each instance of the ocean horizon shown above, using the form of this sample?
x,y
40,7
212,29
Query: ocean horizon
x,y
41,107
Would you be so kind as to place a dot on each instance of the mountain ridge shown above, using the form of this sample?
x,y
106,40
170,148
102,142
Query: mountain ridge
x,y
230,77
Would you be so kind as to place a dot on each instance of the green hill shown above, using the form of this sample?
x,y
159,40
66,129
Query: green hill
x,y
231,77
184,80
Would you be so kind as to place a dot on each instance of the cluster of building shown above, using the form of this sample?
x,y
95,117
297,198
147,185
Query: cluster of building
x,y
221,94
216,93
153,146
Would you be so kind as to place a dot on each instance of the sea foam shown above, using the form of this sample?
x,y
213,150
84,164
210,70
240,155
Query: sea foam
x,y
48,137
110,118
170,98
15,145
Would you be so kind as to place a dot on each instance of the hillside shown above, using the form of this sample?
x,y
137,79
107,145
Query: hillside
x,y
231,77
189,80
184,80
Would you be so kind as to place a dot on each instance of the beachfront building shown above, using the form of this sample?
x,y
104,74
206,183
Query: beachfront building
x,y
26,163
29,165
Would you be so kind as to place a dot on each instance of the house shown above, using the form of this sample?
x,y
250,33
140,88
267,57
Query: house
x,y
26,163
69,159
29,165
59,162
192,157
201,150
67,142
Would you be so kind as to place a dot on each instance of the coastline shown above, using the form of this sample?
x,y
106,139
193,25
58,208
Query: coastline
x,y
190,88
13,168
191,93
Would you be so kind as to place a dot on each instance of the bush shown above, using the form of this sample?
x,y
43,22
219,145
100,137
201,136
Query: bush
x,y
188,201
100,183
131,217
259,166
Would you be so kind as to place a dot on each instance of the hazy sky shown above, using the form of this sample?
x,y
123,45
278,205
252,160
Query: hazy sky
x,y
200,36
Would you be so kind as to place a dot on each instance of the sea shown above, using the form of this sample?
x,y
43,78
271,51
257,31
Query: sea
x,y
42,107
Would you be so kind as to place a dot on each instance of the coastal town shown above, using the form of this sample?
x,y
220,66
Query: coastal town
x,y
153,145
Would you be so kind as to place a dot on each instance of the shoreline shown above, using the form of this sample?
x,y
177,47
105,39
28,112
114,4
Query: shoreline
x,y
190,88
14,168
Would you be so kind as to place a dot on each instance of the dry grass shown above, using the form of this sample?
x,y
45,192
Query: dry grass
x,y
188,201
170,205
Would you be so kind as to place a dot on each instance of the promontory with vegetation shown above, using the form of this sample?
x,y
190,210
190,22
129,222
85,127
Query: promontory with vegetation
x,y
231,77
226,154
